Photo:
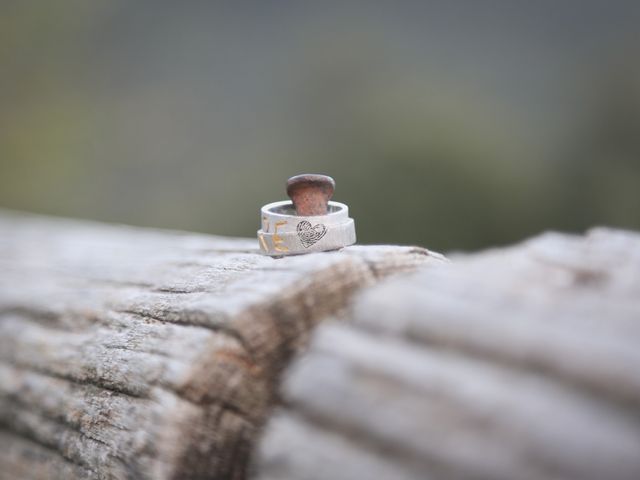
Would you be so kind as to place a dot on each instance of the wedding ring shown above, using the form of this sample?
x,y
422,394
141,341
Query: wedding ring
x,y
285,232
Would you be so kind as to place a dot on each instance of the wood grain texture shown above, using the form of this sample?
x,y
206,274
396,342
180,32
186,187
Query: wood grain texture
x,y
133,353
515,363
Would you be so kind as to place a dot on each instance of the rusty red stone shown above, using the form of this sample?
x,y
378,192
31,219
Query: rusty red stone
x,y
310,193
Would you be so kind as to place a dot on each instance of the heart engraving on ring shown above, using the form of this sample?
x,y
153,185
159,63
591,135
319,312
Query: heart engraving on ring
x,y
310,234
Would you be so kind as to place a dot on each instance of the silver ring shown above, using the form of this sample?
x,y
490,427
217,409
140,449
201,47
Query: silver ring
x,y
285,233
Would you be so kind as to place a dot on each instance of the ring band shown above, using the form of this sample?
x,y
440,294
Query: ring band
x,y
285,233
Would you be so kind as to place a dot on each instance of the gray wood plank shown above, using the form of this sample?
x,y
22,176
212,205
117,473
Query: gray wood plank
x,y
518,362
137,353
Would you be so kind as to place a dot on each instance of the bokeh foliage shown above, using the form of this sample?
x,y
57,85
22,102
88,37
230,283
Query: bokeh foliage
x,y
453,125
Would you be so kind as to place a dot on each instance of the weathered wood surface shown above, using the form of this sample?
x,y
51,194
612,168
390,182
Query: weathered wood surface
x,y
518,363
132,353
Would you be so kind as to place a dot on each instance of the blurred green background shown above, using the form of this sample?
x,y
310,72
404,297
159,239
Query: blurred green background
x,y
448,124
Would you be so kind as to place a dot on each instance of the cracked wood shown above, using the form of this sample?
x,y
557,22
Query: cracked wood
x,y
515,363
134,353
